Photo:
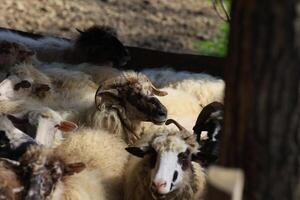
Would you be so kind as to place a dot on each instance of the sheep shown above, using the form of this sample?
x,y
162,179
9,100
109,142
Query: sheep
x,y
97,45
161,167
204,87
210,120
45,173
100,44
49,176
124,102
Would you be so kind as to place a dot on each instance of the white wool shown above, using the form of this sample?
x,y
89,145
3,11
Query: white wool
x,y
96,72
44,42
100,151
181,106
85,185
204,87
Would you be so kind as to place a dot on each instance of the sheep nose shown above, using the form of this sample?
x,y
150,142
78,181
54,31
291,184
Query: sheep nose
x,y
159,186
162,113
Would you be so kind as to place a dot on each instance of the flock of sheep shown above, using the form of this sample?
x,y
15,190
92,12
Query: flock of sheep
x,y
74,125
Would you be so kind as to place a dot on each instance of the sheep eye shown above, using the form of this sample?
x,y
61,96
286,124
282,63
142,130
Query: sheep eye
x,y
22,84
153,157
183,159
5,51
3,139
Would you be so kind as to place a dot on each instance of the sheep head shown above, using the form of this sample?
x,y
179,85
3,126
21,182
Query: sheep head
x,y
168,156
43,170
133,96
12,53
211,120
99,44
22,81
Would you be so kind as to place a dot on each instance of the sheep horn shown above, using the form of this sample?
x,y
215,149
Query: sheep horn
x,y
100,91
117,80
181,128
159,92
80,31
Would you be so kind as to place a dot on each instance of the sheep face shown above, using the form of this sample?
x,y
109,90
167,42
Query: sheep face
x,y
12,53
168,158
19,83
49,125
210,119
43,171
133,96
13,88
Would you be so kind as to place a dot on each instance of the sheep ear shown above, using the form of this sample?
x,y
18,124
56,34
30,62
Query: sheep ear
x,y
79,31
139,151
22,84
74,168
66,126
159,92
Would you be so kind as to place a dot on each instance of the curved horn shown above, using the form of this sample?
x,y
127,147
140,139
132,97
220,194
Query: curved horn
x,y
80,31
116,80
172,121
11,162
159,92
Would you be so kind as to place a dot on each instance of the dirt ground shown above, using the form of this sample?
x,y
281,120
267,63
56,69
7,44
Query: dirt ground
x,y
171,25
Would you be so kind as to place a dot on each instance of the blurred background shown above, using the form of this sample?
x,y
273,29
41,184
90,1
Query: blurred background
x,y
189,26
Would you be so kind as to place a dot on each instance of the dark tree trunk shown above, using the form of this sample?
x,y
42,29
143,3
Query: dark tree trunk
x,y
262,105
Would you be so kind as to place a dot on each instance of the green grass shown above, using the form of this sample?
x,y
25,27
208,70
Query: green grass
x,y
216,46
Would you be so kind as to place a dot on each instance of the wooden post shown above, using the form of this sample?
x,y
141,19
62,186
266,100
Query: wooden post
x,y
262,105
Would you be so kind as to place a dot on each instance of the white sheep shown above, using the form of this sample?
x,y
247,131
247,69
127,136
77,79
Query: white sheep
x,y
162,167
204,87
